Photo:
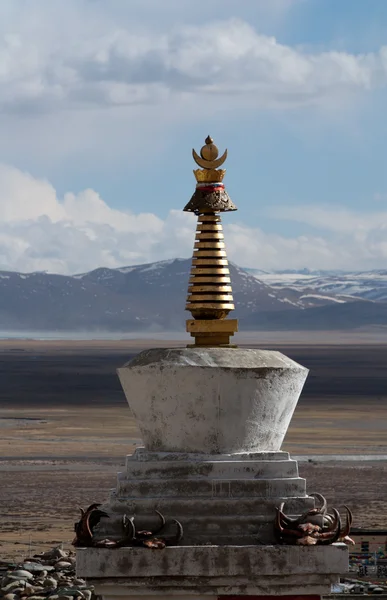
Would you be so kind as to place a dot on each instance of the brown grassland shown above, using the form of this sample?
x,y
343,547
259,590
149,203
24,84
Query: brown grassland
x,y
66,428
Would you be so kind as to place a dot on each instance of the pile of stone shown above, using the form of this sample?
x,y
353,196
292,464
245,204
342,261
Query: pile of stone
x,y
358,586
47,576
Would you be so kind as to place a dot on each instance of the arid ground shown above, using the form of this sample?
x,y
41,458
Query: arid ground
x,y
65,430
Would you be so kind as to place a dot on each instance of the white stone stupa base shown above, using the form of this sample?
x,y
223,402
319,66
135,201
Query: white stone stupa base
x,y
212,421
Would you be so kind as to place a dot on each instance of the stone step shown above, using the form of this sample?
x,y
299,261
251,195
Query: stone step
x,y
200,530
226,469
211,488
214,523
211,561
192,507
141,454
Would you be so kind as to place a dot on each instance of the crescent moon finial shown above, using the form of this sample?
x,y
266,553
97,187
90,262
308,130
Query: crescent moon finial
x,y
208,158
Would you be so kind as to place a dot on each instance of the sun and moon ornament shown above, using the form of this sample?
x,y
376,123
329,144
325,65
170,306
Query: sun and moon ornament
x,y
210,297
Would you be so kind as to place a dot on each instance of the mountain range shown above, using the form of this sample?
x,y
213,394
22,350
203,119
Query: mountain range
x,y
151,297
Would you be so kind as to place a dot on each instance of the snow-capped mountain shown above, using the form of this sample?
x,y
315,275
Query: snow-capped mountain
x,y
134,298
151,297
339,285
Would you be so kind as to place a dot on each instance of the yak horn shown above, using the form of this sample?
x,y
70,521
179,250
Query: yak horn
x,y
320,497
334,529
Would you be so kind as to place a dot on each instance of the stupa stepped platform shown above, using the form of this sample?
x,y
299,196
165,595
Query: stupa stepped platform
x,y
259,474
220,499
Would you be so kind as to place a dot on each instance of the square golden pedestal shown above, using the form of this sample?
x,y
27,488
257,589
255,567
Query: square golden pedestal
x,y
211,332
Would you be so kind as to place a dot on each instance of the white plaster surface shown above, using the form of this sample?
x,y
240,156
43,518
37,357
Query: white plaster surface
x,y
212,400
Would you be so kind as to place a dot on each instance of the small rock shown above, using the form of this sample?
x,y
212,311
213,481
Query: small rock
x,y
78,581
62,564
58,553
50,582
18,590
21,574
87,594
65,597
36,567
20,583
10,596
10,586
72,592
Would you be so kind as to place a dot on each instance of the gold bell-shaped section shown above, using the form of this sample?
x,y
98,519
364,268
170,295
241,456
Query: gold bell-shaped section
x,y
209,291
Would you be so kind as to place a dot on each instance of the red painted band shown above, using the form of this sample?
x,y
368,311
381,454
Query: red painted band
x,y
210,188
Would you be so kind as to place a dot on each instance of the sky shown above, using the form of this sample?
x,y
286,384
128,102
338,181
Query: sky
x,y
102,101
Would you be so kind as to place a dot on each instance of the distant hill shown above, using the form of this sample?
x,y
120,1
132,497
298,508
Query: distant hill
x,y
151,297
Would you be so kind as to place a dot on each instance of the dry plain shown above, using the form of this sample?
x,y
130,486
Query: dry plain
x,y
65,429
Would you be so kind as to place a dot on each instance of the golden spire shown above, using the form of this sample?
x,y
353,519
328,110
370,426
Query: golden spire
x,y
210,296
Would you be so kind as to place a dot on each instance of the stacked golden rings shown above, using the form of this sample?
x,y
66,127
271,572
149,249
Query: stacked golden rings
x,y
209,291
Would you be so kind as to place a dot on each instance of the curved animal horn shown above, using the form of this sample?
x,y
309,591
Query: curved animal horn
x,y
333,532
297,520
162,520
347,528
349,514
278,529
129,528
180,531
281,515
324,507
93,517
93,507
278,515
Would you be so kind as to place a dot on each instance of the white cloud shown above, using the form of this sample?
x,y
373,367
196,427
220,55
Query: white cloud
x,y
39,231
338,219
91,83
83,57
